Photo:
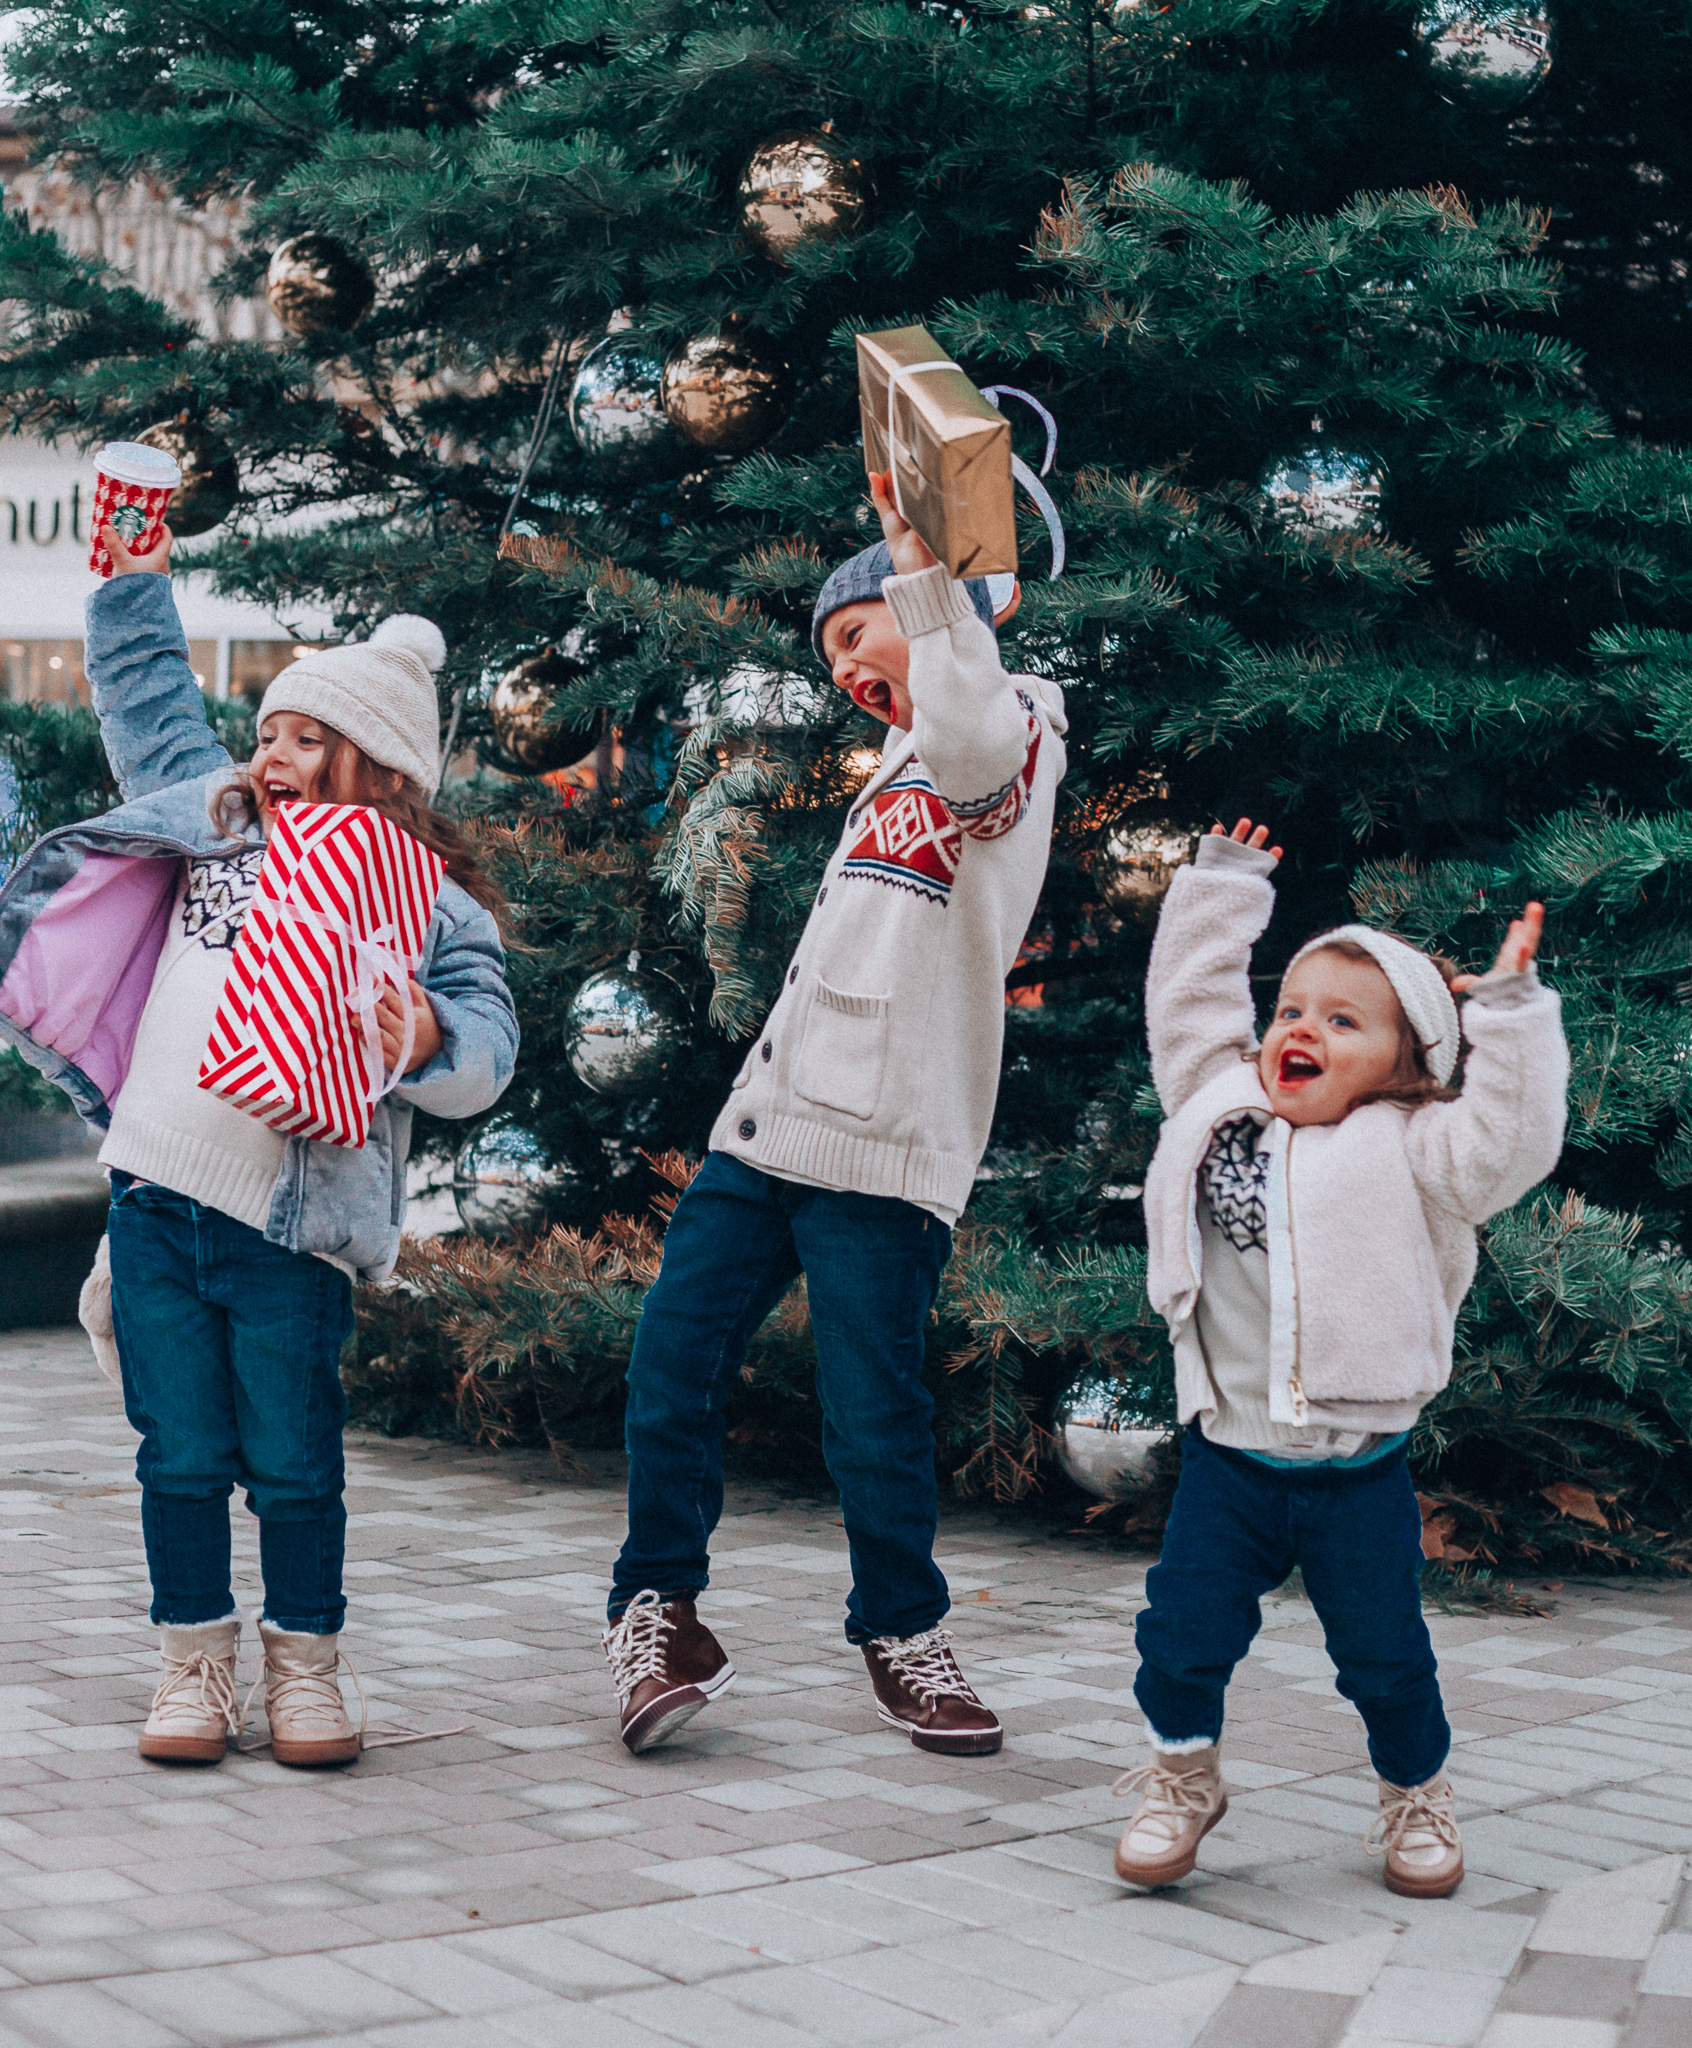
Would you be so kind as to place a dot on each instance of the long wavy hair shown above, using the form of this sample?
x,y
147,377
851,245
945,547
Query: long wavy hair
x,y
235,808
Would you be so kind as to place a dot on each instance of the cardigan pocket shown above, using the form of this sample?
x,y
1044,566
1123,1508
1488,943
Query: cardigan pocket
x,y
843,1051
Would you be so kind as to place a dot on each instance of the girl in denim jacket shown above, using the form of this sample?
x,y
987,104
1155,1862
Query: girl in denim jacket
x,y
232,1248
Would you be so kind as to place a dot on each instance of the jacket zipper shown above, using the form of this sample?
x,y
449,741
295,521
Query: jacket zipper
x,y
1295,1384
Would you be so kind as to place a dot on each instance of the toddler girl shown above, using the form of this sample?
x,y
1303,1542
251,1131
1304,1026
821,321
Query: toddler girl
x,y
233,1248
1311,1213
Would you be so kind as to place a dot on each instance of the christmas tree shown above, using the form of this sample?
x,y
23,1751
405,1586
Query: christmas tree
x,y
1361,322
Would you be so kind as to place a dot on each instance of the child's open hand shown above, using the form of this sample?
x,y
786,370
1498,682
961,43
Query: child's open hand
x,y
390,1021
1248,835
909,550
1521,943
156,560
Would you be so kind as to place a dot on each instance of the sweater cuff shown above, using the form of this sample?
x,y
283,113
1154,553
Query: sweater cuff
x,y
1217,850
926,602
1506,991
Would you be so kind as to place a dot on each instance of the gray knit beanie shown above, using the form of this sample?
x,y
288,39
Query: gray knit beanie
x,y
379,693
859,581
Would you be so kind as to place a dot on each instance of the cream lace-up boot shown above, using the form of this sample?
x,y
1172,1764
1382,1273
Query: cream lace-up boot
x,y
1417,1834
302,1700
193,1712
1185,1798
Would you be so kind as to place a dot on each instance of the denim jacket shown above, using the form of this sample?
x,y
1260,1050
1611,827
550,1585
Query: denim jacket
x,y
82,923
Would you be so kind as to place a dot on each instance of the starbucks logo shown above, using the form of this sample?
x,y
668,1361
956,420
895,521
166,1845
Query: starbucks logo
x,y
129,522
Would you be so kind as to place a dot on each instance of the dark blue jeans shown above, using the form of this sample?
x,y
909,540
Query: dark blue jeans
x,y
736,1243
231,1352
1236,1531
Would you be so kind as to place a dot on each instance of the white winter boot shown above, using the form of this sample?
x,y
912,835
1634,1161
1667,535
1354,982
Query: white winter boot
x,y
193,1712
1184,1799
1417,1833
302,1699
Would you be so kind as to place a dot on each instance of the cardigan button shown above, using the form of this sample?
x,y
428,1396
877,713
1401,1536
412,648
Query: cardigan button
x,y
748,1129
822,893
764,1050
793,974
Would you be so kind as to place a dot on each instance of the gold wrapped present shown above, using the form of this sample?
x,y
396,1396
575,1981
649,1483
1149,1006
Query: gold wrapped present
x,y
948,448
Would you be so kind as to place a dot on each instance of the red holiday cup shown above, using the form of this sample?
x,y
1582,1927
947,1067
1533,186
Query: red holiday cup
x,y
132,487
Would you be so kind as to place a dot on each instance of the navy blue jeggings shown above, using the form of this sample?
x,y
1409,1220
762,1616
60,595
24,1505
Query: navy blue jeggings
x,y
1237,1529
231,1354
738,1240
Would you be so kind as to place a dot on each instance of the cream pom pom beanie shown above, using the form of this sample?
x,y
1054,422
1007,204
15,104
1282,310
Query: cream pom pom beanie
x,y
379,693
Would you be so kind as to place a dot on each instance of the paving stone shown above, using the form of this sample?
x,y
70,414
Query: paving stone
x,y
1262,2016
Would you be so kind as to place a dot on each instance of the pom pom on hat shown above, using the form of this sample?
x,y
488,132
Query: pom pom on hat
x,y
407,633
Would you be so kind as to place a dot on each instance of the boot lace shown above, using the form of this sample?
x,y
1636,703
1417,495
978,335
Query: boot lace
x,y
321,1690
926,1665
1174,1799
1414,1810
635,1643
199,1682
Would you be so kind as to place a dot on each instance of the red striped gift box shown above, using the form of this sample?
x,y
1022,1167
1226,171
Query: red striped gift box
x,y
340,911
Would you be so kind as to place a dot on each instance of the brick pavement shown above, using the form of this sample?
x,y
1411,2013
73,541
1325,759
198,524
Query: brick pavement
x,y
793,1873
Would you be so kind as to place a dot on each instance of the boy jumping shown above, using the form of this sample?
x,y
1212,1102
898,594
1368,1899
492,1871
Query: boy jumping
x,y
848,1148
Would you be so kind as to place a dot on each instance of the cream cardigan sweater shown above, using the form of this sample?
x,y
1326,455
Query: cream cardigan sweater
x,y
1371,1221
878,1068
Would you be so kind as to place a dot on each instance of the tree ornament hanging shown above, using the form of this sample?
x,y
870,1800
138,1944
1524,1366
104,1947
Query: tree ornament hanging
x,y
727,391
527,742
624,1030
1138,860
1098,1442
617,411
1489,51
316,285
210,480
502,1180
1324,491
799,186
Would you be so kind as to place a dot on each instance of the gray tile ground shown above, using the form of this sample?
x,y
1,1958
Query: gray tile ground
x,y
795,1873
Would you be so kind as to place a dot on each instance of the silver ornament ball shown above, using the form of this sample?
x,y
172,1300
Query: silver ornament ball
x,y
617,411
1490,51
1099,1441
624,1030
501,1179
1139,859
1326,492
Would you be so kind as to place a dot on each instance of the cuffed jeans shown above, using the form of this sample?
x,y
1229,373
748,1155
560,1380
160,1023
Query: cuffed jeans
x,y
1236,1531
231,1354
737,1241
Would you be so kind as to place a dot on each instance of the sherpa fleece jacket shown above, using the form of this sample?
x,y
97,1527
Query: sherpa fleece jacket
x,y
878,1067
1371,1221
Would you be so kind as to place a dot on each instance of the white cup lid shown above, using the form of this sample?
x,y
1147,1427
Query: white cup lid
x,y
133,462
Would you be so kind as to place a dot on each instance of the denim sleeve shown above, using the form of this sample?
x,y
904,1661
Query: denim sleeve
x,y
152,716
465,981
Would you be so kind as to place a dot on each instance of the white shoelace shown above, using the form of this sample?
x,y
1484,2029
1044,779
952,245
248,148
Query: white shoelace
x,y
1173,1799
634,1644
322,1690
1424,1810
926,1665
215,1683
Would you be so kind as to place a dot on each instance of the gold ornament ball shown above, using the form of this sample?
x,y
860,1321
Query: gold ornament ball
x,y
727,391
800,185
210,481
316,285
1138,860
518,710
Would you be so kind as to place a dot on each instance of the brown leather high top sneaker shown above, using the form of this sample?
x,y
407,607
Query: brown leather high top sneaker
x,y
665,1665
918,1687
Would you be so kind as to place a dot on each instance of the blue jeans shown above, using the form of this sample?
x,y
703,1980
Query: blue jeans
x,y
231,1353
736,1243
1236,1531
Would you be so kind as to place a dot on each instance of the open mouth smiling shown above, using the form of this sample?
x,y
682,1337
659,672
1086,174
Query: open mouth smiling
x,y
1295,1068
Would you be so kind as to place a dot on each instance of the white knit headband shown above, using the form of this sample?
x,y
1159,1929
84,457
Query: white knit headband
x,y
1418,985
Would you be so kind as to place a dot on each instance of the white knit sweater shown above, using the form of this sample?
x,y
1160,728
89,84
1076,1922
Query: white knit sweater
x,y
878,1067
1371,1221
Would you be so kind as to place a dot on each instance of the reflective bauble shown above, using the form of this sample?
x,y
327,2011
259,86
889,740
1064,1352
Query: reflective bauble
x,y
316,285
529,741
799,185
759,696
1326,492
1488,50
727,391
1135,865
210,481
624,1030
501,1179
1099,1442
617,411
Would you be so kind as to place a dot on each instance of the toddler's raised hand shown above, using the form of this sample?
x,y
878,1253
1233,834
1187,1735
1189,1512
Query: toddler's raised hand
x,y
156,560
909,550
1247,835
1521,943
